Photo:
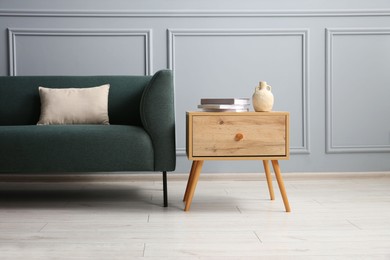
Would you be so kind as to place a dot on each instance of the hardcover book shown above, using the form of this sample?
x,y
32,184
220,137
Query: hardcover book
x,y
225,101
224,108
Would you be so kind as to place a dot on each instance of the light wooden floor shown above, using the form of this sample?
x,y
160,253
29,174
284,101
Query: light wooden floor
x,y
334,216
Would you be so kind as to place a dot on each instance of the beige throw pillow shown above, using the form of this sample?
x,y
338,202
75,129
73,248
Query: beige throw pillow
x,y
74,105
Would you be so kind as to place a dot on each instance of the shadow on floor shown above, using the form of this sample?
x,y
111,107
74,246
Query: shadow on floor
x,y
60,195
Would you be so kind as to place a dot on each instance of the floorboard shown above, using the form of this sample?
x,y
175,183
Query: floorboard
x,y
334,216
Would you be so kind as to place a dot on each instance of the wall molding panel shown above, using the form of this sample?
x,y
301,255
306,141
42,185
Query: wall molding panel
x,y
331,147
198,13
174,34
14,33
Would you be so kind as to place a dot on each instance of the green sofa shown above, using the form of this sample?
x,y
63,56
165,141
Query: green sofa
x,y
140,136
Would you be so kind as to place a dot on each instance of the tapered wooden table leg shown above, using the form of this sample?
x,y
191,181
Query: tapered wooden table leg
x,y
267,171
192,185
190,179
282,189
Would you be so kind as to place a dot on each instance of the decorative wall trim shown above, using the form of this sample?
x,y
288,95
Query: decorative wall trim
x,y
181,151
199,13
174,33
330,146
13,33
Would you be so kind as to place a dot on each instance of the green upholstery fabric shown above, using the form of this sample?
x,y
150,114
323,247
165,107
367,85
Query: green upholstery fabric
x,y
75,148
20,102
157,101
140,137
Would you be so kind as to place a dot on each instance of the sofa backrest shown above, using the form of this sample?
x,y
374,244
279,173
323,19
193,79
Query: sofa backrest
x,y
20,101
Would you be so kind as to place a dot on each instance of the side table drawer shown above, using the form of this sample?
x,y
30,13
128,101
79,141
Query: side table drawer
x,y
238,135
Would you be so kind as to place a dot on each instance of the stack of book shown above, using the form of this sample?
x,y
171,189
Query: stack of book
x,y
224,104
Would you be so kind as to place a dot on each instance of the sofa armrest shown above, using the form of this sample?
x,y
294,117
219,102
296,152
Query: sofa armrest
x,y
158,118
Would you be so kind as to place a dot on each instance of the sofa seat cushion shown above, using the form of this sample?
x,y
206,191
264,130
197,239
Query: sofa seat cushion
x,y
75,148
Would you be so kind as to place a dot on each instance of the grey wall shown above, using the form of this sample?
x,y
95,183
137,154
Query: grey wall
x,y
328,63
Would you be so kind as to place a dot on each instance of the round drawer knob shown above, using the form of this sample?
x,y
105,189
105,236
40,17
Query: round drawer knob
x,y
239,137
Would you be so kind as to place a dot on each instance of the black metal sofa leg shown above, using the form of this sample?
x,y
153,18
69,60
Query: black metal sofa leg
x,y
165,188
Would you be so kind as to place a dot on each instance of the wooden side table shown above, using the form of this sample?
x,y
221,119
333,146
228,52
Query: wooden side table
x,y
237,136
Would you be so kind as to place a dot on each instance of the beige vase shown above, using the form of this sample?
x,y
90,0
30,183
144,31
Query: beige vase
x,y
263,99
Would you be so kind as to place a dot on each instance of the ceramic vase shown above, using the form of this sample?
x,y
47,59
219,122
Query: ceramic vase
x,y
263,99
